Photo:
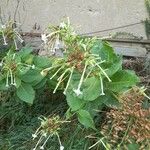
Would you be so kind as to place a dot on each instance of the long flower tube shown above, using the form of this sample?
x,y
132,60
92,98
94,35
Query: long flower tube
x,y
72,69
57,72
11,77
78,90
60,80
46,70
15,44
102,70
7,79
42,147
4,38
18,36
89,73
102,87
40,139
61,146
14,81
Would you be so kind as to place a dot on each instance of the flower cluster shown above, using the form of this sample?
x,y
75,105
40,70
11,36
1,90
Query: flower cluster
x,y
57,38
10,32
77,61
49,127
9,65
77,57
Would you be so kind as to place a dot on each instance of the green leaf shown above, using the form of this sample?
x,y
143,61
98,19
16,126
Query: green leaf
x,y
113,67
41,61
122,80
18,82
104,50
91,89
32,76
40,84
93,106
74,102
25,52
85,119
26,93
110,100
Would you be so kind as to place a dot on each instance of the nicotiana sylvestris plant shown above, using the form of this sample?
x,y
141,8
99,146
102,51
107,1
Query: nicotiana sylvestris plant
x,y
9,33
49,127
19,74
88,72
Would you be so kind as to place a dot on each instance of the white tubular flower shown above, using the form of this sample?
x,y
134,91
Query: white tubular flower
x,y
14,81
102,70
57,44
33,66
7,78
60,80
15,44
62,25
78,91
18,36
68,81
44,38
44,72
84,46
61,147
45,134
102,87
34,136
36,133
11,77
56,72
1,63
38,142
42,147
4,38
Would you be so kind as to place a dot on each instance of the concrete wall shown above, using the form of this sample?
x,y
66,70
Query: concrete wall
x,y
85,15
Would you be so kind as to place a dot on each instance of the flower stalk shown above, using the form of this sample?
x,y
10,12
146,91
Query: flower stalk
x,y
78,90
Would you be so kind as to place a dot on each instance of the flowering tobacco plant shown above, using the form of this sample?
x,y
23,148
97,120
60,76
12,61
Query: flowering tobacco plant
x,y
10,65
86,70
89,72
49,127
18,72
9,32
58,37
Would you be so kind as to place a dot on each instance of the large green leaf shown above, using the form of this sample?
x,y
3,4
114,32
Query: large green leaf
x,y
32,76
122,80
113,67
41,61
85,118
41,84
94,106
104,50
91,89
110,100
25,52
26,93
74,102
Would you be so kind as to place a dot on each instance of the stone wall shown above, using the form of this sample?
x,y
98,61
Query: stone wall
x,y
85,15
